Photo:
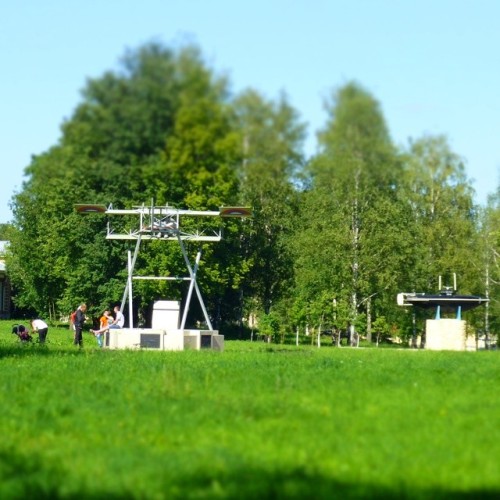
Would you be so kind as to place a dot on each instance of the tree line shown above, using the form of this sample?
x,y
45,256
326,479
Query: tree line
x,y
333,238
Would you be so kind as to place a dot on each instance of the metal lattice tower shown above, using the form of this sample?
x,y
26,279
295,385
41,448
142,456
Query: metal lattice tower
x,y
168,224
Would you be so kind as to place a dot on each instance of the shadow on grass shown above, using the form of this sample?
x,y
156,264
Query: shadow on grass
x,y
297,484
29,477
21,349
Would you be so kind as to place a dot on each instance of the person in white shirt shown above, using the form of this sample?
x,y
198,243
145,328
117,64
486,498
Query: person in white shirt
x,y
118,322
39,326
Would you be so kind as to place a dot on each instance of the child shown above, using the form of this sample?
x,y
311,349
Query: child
x,y
22,333
103,326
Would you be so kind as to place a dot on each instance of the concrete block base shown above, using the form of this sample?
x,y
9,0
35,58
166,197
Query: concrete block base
x,y
163,340
203,339
445,334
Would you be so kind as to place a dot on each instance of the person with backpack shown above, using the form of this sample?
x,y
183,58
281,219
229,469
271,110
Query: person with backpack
x,y
78,323
72,317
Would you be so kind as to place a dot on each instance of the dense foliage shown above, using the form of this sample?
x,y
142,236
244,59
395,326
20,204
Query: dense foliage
x,y
333,239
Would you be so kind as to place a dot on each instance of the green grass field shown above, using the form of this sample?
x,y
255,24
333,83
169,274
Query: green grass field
x,y
255,421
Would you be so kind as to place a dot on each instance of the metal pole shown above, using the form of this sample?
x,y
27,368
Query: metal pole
x,y
202,304
487,309
198,293
190,292
130,271
130,305
414,326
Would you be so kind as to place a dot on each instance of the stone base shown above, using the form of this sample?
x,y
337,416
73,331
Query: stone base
x,y
445,335
163,340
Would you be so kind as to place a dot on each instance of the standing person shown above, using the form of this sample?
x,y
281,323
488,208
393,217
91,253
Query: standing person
x,y
79,321
104,321
39,326
118,322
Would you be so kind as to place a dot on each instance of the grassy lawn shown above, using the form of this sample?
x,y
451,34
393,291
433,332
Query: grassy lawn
x,y
255,421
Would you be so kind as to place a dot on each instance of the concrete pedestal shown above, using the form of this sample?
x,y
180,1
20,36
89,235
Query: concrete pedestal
x,y
166,314
445,335
163,340
203,339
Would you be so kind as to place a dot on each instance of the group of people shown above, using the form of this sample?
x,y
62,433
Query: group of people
x,y
38,326
106,322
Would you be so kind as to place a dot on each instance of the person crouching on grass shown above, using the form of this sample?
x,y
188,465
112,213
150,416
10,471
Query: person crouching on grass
x,y
39,326
104,322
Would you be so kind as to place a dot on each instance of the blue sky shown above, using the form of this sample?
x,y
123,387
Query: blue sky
x,y
432,64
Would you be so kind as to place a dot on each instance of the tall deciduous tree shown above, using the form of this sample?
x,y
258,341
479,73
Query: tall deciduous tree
x,y
271,137
490,252
441,202
197,170
156,129
443,221
351,214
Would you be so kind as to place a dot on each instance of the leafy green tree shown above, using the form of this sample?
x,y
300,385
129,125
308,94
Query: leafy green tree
x,y
125,114
157,129
351,218
4,232
441,202
269,326
381,328
196,171
51,246
444,222
270,136
490,261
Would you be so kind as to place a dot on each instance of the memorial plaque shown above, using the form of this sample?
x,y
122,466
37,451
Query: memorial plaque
x,y
150,340
206,341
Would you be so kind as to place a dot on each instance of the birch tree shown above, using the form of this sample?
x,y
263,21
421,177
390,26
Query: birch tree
x,y
352,201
